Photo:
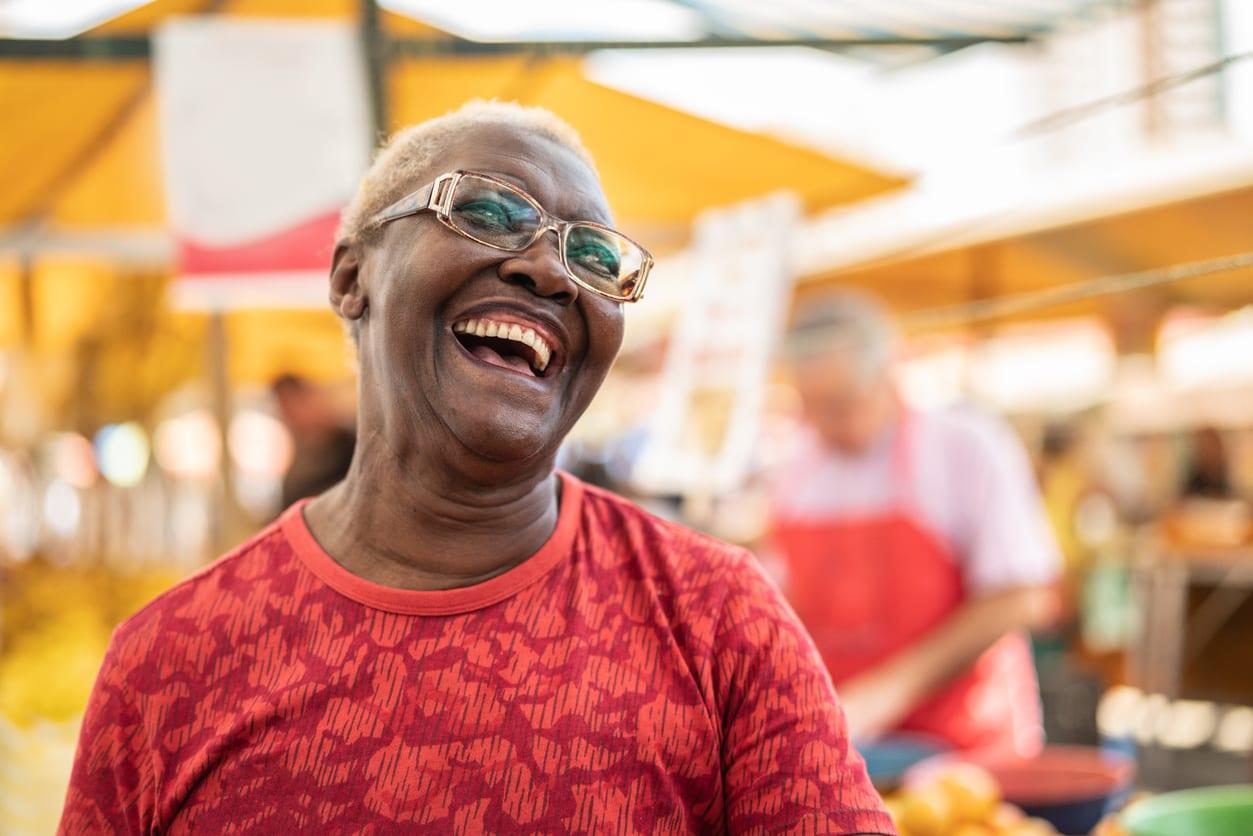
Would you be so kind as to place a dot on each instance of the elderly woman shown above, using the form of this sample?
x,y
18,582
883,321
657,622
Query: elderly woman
x,y
457,637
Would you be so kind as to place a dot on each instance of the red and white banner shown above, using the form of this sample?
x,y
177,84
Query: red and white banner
x,y
265,133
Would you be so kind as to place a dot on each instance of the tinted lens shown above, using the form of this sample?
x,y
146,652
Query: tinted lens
x,y
493,213
604,259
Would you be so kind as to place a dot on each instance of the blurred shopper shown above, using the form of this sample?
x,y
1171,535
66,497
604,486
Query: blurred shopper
x,y
1078,508
915,544
458,638
1207,475
1208,510
323,445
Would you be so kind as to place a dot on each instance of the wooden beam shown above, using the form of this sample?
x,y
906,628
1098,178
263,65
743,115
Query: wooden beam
x,y
373,44
127,48
77,49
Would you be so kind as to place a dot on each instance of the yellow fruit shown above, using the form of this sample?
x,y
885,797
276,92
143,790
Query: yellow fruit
x,y
1006,816
972,791
896,809
1032,827
970,828
927,811
1110,826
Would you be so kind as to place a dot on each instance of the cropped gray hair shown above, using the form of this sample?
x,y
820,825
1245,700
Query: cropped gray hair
x,y
401,164
843,322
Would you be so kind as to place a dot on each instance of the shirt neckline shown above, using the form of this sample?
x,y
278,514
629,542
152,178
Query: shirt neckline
x,y
442,601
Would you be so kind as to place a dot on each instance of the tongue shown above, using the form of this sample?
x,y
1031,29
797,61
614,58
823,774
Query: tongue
x,y
489,355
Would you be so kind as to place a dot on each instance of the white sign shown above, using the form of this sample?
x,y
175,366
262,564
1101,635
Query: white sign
x,y
702,435
265,133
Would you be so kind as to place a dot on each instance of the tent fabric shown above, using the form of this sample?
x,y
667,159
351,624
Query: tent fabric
x,y
661,166
1058,253
81,153
56,114
658,165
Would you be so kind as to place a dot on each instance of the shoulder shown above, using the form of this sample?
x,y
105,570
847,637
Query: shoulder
x,y
230,584
623,527
699,580
968,433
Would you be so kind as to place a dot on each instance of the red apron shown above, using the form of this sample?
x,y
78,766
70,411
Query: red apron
x,y
867,587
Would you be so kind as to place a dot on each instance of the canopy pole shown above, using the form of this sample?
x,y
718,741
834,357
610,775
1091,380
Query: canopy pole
x,y
224,522
26,299
122,48
376,55
997,307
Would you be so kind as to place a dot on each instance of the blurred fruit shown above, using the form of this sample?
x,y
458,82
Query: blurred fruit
x,y
55,623
1006,816
970,828
895,806
927,811
973,793
1110,826
1032,827
960,799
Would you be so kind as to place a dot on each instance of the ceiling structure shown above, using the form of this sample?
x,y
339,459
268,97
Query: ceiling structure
x,y
83,177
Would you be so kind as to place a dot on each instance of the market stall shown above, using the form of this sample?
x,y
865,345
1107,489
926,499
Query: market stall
x,y
139,437
1103,308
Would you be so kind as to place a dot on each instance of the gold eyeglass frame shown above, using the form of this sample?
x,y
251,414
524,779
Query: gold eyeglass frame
x,y
437,197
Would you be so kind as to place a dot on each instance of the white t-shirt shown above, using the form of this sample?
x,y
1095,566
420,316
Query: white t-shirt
x,y
970,485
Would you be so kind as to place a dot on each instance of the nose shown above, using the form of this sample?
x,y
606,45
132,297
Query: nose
x,y
538,268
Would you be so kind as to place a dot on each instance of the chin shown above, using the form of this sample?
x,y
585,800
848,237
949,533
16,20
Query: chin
x,y
509,438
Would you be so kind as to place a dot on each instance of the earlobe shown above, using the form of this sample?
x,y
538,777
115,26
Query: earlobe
x,y
348,298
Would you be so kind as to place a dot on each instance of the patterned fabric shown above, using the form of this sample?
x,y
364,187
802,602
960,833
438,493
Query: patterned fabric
x,y
630,677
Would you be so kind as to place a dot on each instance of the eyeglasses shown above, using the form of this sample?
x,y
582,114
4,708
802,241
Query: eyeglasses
x,y
500,215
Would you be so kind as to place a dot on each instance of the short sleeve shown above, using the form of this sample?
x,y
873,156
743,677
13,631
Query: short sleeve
x,y
1006,538
111,784
788,765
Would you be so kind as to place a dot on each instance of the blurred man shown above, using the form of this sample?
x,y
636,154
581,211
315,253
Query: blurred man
x,y
323,445
1208,475
916,549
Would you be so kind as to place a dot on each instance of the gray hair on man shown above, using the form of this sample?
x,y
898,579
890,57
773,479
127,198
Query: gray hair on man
x,y
843,322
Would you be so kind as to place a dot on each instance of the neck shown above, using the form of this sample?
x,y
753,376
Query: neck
x,y
410,520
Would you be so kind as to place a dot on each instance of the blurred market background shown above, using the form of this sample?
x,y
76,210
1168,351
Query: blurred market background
x,y
1055,197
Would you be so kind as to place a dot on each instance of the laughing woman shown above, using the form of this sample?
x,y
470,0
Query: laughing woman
x,y
458,637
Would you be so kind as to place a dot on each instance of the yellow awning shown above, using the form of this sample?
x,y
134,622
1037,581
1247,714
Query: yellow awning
x,y
1053,253
81,155
660,166
86,148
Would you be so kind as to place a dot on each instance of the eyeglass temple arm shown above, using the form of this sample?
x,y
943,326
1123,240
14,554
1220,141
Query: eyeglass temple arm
x,y
427,197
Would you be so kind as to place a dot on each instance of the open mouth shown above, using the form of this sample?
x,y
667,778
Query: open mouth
x,y
505,344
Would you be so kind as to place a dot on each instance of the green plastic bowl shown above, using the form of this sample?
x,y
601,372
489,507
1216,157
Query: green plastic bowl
x,y
1210,811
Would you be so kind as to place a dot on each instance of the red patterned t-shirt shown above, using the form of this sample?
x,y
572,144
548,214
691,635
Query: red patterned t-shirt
x,y
630,677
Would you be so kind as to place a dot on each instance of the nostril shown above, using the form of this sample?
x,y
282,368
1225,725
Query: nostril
x,y
521,279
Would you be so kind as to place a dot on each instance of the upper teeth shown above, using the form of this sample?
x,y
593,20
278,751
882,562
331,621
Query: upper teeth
x,y
508,331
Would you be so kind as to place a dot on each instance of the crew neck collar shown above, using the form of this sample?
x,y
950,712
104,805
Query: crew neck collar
x,y
442,601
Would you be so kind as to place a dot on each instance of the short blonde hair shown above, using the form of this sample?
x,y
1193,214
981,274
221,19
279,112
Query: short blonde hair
x,y
402,162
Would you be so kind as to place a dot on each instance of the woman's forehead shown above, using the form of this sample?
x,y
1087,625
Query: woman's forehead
x,y
553,174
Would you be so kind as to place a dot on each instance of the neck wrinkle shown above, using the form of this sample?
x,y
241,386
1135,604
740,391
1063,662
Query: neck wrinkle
x,y
404,519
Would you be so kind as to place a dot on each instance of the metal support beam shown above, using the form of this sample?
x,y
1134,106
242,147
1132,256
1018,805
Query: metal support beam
x,y
374,47
449,46
139,48
79,49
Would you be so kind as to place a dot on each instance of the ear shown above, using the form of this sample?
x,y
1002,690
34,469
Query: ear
x,y
348,297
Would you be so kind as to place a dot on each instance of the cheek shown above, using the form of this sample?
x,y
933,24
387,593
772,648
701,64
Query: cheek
x,y
605,326
413,284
